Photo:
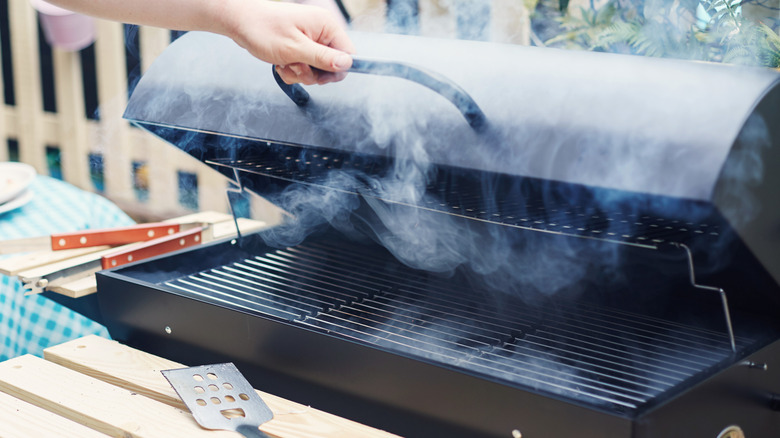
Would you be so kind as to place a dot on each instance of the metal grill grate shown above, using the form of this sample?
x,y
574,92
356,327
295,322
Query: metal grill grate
x,y
468,201
594,355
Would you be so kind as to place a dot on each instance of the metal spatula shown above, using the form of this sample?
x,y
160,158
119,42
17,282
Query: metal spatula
x,y
219,397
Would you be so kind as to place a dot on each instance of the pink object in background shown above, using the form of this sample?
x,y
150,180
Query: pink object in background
x,y
65,29
327,4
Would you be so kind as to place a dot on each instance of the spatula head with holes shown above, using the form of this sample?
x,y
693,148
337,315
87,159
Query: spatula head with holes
x,y
219,397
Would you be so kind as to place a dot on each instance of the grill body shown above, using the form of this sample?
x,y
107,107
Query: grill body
x,y
646,200
419,356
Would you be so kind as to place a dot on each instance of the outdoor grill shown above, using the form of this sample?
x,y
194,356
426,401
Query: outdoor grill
x,y
483,240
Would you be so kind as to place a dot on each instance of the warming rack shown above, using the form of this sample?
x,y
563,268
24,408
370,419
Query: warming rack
x,y
459,198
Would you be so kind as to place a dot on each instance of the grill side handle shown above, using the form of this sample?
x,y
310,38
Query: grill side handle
x,y
434,81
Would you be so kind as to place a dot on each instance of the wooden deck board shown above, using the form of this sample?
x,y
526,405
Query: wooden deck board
x,y
96,404
138,371
26,420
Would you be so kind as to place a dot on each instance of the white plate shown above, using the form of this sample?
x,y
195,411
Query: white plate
x,y
14,179
17,202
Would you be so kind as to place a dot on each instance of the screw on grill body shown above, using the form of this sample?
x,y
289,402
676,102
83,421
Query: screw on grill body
x,y
758,366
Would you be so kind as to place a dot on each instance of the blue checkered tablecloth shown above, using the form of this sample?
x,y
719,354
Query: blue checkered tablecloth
x,y
28,324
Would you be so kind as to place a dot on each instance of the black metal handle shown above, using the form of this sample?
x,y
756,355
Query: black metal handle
x,y
434,81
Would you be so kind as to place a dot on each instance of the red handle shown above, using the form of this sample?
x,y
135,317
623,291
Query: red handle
x,y
162,245
112,236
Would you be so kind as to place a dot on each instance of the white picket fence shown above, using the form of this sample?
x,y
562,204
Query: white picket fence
x,y
141,173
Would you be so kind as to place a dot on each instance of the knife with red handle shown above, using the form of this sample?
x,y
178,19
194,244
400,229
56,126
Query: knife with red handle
x,y
161,245
92,238
113,236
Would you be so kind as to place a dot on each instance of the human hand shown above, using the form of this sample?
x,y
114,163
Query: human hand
x,y
307,44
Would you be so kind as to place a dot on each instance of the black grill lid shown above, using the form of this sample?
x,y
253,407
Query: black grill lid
x,y
630,123
668,130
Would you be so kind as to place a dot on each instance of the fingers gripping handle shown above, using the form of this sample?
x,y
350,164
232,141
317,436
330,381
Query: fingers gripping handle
x,y
436,82
294,91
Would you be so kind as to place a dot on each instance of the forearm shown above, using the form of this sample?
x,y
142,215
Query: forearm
x,y
207,15
291,36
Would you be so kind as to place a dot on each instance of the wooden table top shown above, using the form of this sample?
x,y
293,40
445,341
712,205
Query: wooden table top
x,y
93,387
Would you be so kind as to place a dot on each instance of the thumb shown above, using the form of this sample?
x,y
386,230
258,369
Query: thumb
x,y
326,58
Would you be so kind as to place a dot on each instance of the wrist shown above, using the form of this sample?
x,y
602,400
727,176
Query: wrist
x,y
224,19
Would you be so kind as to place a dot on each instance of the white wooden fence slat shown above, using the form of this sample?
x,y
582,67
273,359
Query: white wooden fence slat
x,y
10,123
153,41
211,190
3,119
73,141
163,161
27,84
367,15
435,21
510,22
112,99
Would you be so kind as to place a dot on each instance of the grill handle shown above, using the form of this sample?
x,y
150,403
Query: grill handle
x,y
434,81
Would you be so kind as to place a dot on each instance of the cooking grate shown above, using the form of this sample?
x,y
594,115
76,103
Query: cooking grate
x,y
590,354
467,200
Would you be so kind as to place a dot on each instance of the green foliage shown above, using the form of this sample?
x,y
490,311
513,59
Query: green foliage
x,y
671,28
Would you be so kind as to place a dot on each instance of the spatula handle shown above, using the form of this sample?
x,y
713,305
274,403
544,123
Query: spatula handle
x,y
251,431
